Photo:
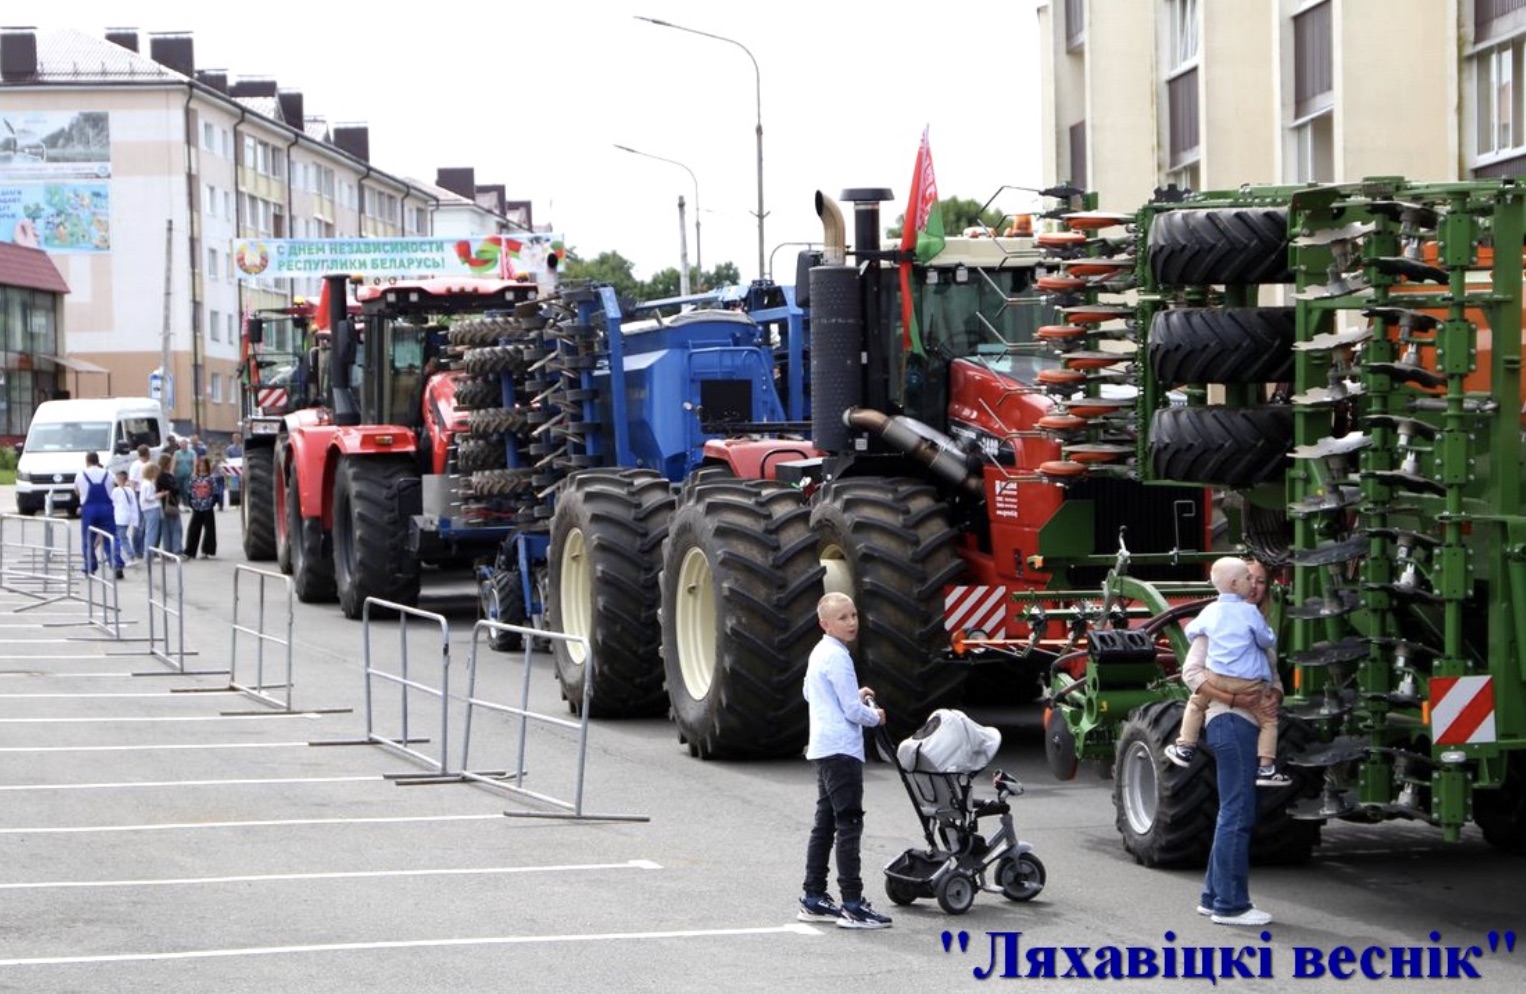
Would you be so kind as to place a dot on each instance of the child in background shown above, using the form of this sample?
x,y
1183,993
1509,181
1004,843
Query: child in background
x,y
124,505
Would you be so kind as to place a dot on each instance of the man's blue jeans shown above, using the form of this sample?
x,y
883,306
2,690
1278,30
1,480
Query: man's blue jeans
x,y
1226,886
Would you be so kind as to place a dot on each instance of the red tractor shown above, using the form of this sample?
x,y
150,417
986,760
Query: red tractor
x,y
357,483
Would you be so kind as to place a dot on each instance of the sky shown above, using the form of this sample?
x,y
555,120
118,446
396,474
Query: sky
x,y
536,96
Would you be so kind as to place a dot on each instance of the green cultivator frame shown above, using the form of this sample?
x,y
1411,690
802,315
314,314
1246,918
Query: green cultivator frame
x,y
1350,361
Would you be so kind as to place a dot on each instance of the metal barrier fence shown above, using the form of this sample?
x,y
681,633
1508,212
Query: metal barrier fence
x,y
166,607
572,808
37,558
259,689
103,581
405,683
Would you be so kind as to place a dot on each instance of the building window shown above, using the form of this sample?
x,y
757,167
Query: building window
x,y
1314,150
1188,178
1182,108
1075,23
233,328
208,137
1497,18
1078,154
1313,62
212,270
1497,73
1183,113
1184,32
214,321
1313,96
215,388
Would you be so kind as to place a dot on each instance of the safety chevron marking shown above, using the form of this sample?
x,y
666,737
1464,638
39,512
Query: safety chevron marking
x,y
976,609
1462,710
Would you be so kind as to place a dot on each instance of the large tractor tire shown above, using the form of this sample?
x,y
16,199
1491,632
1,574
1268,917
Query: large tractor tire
x,y
1501,813
604,561
258,505
500,599
1166,814
1222,345
740,582
1236,447
1234,246
312,565
374,498
888,544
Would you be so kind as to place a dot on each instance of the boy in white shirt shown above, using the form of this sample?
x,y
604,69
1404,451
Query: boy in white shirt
x,y
124,507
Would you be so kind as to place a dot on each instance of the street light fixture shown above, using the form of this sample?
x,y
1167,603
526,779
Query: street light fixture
x,y
699,252
758,80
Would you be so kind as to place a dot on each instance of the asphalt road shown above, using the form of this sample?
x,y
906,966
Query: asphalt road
x,y
160,832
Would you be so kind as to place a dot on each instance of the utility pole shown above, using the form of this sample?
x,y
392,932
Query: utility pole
x,y
683,249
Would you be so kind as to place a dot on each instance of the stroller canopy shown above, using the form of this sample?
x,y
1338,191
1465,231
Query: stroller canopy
x,y
949,742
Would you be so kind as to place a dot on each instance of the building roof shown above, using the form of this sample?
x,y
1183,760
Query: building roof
x,y
65,55
447,198
29,268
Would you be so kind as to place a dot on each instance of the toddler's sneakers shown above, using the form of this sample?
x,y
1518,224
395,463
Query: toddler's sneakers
x,y
818,908
858,914
1268,776
1181,755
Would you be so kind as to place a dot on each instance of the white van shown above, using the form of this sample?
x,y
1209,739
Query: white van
x,y
62,431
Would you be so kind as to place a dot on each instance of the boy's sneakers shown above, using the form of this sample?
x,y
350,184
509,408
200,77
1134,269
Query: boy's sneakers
x,y
1267,776
1181,755
818,908
858,914
1250,916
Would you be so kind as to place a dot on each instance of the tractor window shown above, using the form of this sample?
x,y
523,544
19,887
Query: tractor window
x,y
991,314
406,365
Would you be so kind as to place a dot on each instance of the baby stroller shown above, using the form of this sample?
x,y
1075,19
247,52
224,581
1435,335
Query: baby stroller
x,y
938,765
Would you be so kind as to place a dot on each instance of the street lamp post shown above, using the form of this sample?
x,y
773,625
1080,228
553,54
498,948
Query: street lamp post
x,y
699,252
758,80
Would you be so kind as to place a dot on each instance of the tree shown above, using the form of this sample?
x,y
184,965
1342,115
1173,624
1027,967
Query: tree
x,y
958,213
726,274
607,267
617,271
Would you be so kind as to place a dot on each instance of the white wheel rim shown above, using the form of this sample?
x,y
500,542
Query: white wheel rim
x,y
576,594
694,621
1139,788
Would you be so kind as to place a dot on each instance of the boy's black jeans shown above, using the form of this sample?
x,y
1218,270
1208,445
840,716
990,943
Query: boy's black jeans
x,y
839,813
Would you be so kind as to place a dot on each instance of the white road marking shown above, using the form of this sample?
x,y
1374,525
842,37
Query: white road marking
x,y
338,875
12,787
40,674
339,947
183,695
181,826
33,657
189,746
273,716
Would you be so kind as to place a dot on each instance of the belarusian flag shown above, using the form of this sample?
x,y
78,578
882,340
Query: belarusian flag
x,y
922,232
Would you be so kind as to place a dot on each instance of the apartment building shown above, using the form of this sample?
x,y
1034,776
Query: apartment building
x,y
1213,94
135,171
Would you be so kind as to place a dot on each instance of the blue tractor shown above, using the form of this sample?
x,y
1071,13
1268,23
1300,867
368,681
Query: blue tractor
x,y
587,413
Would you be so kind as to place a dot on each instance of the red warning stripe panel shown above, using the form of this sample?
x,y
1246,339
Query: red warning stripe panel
x,y
1462,710
976,609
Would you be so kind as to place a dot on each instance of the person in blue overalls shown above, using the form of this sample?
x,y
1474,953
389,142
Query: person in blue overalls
x,y
96,510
